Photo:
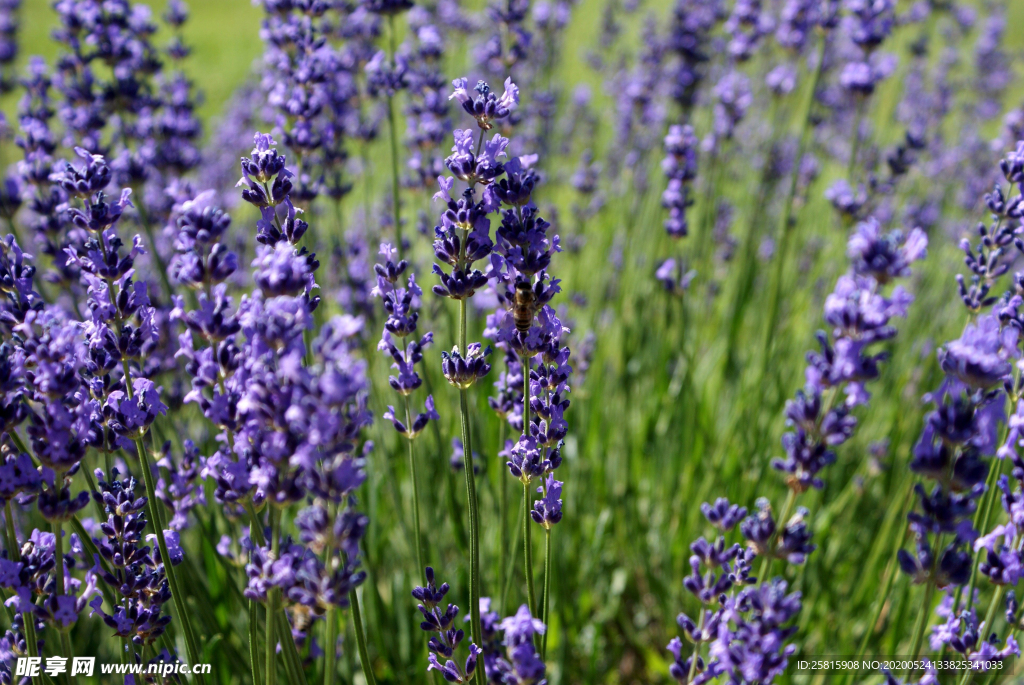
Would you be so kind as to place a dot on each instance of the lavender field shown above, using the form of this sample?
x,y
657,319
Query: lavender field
x,y
519,342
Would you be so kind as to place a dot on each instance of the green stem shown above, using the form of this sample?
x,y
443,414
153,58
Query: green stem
x,y
531,597
510,569
415,495
364,657
547,593
194,655
254,660
292,662
982,520
986,628
474,521
161,267
15,552
65,639
926,606
270,641
785,228
474,510
394,148
502,516
330,648
890,578
696,648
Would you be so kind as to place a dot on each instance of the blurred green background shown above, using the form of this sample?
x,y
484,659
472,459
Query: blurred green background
x,y
647,443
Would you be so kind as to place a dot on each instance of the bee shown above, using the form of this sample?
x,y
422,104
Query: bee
x,y
524,305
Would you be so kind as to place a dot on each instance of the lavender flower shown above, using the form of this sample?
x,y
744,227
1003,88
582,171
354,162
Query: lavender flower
x,y
448,638
680,167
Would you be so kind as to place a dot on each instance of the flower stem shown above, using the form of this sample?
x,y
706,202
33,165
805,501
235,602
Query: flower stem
x,y
785,227
981,521
330,648
527,542
153,510
987,625
270,640
696,648
510,569
147,226
502,516
15,552
531,598
194,654
394,148
547,593
890,578
474,511
254,660
415,494
65,640
922,622
357,620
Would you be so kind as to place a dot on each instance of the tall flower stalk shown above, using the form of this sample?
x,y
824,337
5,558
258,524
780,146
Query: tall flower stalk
x,y
390,78
401,304
462,239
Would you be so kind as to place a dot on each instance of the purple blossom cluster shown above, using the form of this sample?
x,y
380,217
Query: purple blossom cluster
x,y
858,313
744,623
517,664
954,451
401,304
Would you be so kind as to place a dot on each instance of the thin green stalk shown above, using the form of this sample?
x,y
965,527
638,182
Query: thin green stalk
x,y
330,648
161,267
15,552
987,625
547,593
925,612
510,569
270,641
919,631
890,578
696,649
65,639
982,521
527,542
194,655
474,510
785,228
474,521
292,662
502,516
417,539
394,148
364,657
254,661
531,597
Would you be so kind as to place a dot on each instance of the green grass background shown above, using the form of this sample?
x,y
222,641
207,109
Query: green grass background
x,y
654,430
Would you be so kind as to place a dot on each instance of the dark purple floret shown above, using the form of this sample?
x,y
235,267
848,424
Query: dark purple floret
x,y
485,106
463,372
722,514
447,637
